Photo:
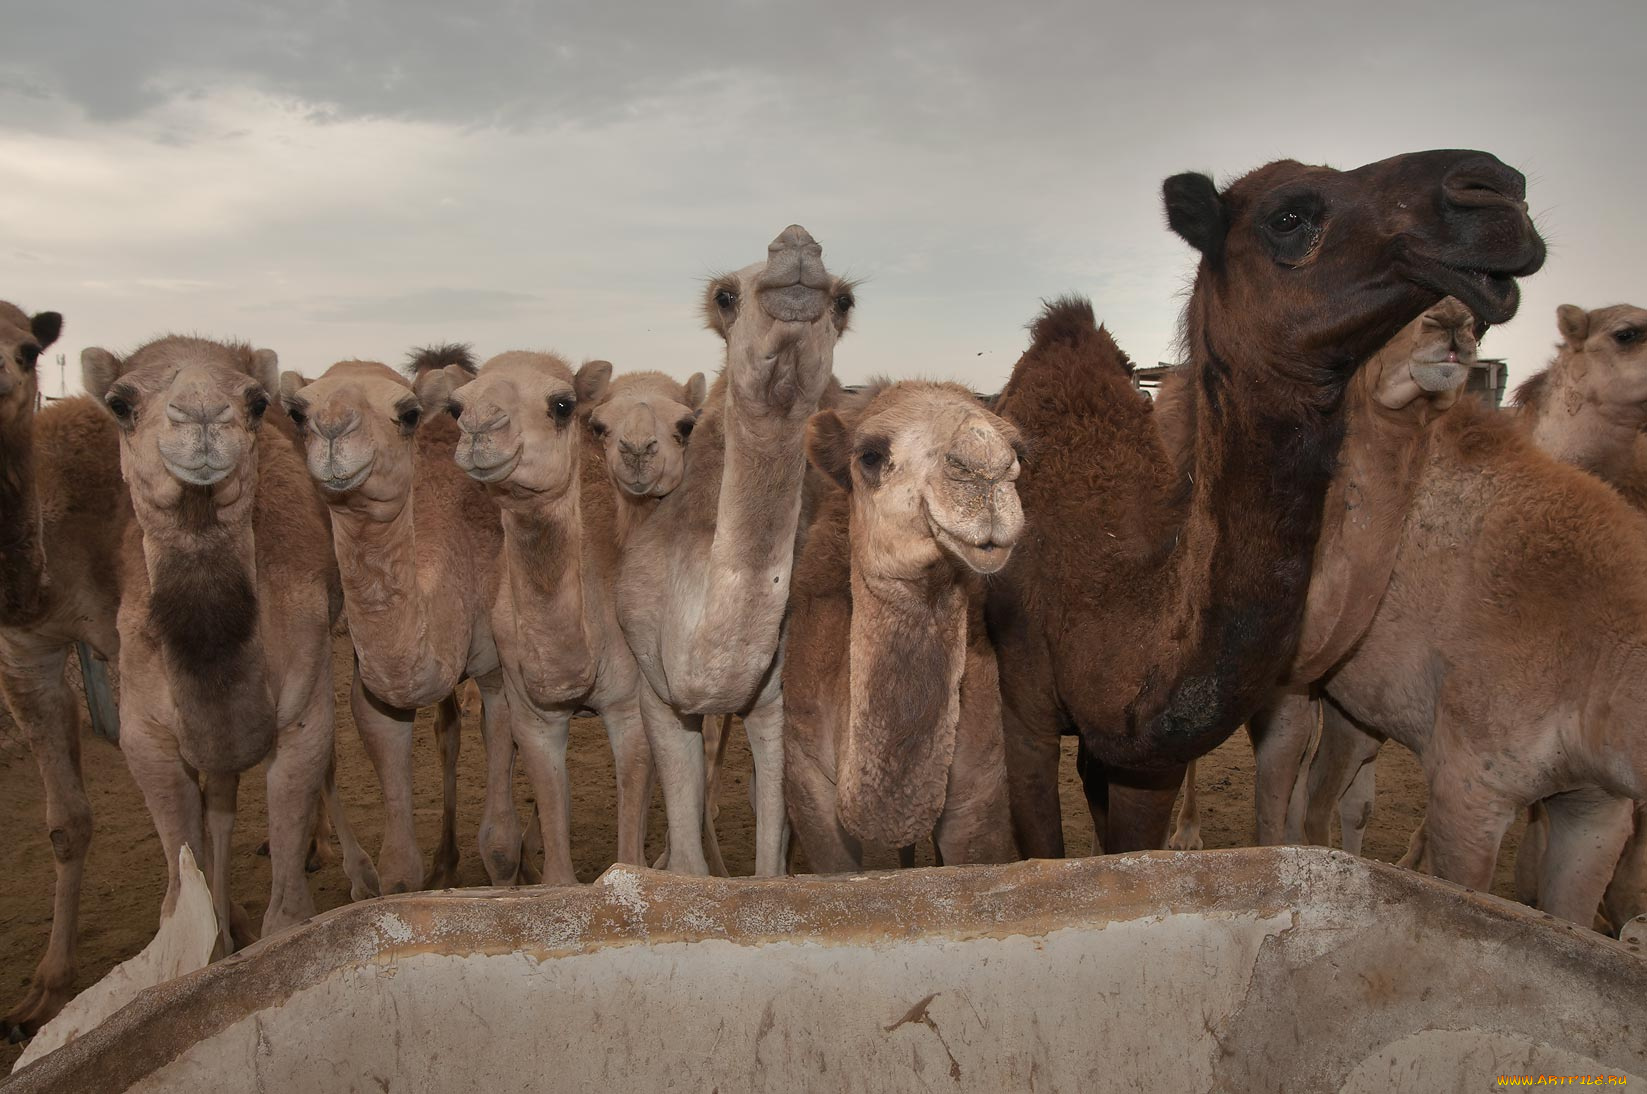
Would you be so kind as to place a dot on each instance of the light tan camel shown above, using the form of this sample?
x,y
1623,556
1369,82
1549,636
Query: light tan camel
x,y
891,700
1415,376
417,544
705,579
524,438
63,513
228,596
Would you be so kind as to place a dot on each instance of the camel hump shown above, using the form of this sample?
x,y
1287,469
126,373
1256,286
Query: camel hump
x,y
434,358
1069,321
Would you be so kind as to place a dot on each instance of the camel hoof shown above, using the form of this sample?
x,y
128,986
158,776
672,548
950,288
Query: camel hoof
x,y
262,850
1186,841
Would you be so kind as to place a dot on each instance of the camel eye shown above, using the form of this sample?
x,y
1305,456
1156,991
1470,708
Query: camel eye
x,y
27,355
725,299
1286,222
298,415
597,427
844,302
561,407
409,418
120,406
455,409
683,428
257,407
1627,336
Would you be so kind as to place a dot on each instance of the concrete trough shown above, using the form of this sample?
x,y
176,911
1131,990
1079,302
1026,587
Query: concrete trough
x,y
1256,969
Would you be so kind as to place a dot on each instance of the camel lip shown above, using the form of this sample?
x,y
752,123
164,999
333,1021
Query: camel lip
x,y
797,303
343,484
1493,296
496,472
202,474
637,489
987,557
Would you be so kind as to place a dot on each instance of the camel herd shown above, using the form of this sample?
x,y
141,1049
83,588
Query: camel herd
x,y
905,593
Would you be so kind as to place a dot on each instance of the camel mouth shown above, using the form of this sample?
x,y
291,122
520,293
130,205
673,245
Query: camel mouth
x,y
342,484
202,474
495,472
987,557
1438,376
1493,296
794,303
638,489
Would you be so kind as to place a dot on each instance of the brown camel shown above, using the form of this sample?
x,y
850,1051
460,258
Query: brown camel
x,y
1415,376
554,620
63,512
705,580
892,708
228,595
417,544
1154,611
1506,651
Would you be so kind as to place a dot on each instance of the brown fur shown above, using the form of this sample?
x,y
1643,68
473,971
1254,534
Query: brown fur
x,y
1155,628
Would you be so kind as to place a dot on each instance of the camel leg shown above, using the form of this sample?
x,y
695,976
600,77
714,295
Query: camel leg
x,y
540,738
677,750
1588,829
809,796
632,759
44,707
764,725
500,831
1465,825
357,864
1529,855
1186,828
386,732
1030,731
443,871
1356,806
1417,844
714,744
222,792
1627,894
296,780
1344,749
1095,789
1140,808
976,823
1280,735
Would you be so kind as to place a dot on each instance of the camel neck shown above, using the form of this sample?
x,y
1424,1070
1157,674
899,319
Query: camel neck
x,y
629,513
906,655
22,546
1587,434
1263,459
405,659
546,630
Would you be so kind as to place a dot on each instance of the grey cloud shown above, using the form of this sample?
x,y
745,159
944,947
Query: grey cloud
x,y
422,306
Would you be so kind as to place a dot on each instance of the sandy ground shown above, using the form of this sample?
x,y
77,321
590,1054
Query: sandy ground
x,y
126,875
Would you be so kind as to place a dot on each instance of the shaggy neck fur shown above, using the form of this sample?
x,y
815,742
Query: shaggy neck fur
x,y
906,656
543,567
203,615
1604,440
22,550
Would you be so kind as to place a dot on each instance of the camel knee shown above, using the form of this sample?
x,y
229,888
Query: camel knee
x,y
71,838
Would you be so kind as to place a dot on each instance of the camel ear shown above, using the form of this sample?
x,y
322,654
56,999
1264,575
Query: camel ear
x,y
1195,211
266,368
590,382
98,369
829,446
290,384
1574,324
697,390
434,388
45,327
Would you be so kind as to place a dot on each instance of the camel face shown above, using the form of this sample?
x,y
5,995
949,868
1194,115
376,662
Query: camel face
x,y
520,424
188,410
356,423
780,319
643,425
1345,258
22,341
932,476
1605,352
1431,358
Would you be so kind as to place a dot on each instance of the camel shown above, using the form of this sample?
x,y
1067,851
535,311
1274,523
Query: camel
x,y
417,545
1154,611
705,580
523,438
892,708
1417,375
63,512
228,595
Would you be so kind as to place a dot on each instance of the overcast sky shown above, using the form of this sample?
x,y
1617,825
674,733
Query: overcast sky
x,y
337,179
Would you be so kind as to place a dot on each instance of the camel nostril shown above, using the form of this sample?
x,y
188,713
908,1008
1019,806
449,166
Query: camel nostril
x,y
1482,181
792,238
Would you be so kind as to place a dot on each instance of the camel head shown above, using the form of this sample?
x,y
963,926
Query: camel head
x,y
1316,268
1429,359
1603,353
932,476
23,338
643,425
780,319
521,423
188,410
357,423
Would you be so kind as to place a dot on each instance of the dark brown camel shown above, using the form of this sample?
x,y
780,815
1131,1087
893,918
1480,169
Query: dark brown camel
x,y
1153,613
63,510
